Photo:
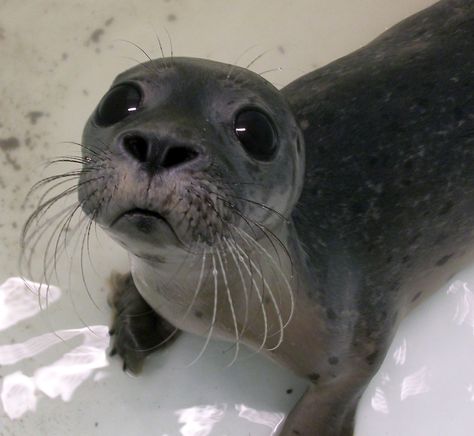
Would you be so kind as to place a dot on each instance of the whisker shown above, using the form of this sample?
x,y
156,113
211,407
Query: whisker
x,y
214,313
259,296
95,151
198,287
160,45
278,268
272,297
137,47
244,285
231,306
257,58
84,281
270,71
171,43
236,61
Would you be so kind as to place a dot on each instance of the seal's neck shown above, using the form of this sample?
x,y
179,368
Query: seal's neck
x,y
244,290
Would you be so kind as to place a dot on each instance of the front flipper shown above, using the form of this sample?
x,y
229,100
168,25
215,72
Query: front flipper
x,y
137,329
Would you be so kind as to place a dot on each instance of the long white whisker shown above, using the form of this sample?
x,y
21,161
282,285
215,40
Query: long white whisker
x,y
214,313
272,297
244,285
198,287
246,236
259,296
232,310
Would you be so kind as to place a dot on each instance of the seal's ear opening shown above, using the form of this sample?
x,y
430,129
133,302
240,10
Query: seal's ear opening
x,y
256,133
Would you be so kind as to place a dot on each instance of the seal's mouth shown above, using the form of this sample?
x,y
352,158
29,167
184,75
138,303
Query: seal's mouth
x,y
138,214
144,220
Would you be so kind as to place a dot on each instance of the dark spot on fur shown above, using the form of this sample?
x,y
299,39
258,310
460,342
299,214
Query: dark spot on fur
x,y
109,21
414,238
333,360
444,259
281,49
9,143
405,259
331,314
370,359
416,296
420,32
408,165
373,161
446,208
440,238
458,113
314,377
198,314
358,208
171,18
289,391
296,432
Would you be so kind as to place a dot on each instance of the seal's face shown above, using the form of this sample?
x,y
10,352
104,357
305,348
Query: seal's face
x,y
184,152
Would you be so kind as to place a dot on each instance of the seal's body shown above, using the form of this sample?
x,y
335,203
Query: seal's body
x,y
199,170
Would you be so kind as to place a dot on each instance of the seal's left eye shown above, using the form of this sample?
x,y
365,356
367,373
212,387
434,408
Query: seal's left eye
x,y
118,103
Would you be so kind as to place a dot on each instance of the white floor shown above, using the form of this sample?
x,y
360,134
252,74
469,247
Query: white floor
x,y
57,58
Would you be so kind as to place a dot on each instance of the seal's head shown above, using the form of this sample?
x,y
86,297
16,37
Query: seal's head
x,y
181,153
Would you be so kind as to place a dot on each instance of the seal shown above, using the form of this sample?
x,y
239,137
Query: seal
x,y
302,223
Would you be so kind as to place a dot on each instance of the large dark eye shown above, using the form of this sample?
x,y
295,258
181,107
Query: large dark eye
x,y
256,134
118,103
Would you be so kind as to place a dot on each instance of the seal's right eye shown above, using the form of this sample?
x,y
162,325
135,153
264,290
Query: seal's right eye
x,y
117,104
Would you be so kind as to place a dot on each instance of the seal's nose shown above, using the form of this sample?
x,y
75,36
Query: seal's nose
x,y
156,154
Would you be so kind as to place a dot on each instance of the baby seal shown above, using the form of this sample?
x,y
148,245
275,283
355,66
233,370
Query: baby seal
x,y
302,223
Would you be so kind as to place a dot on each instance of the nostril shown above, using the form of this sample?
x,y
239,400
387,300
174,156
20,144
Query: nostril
x,y
177,156
137,147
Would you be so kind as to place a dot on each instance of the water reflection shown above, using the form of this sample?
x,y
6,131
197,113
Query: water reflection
x,y
400,354
199,420
470,390
19,392
415,384
21,299
379,401
464,312
18,395
269,419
